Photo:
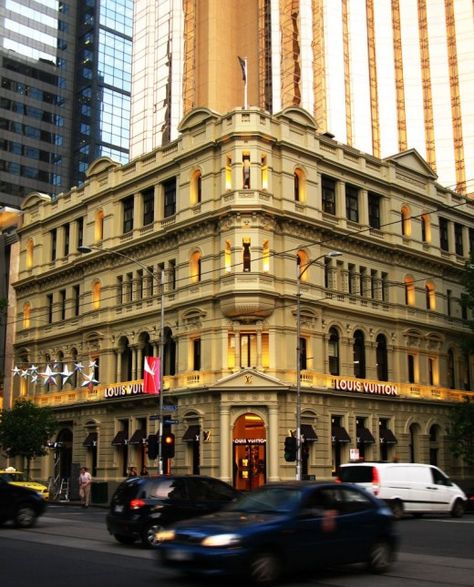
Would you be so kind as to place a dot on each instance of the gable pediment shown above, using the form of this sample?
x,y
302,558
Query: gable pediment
x,y
412,160
248,379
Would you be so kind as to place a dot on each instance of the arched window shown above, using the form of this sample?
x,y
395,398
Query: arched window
x,y
359,354
169,353
430,296
264,172
246,171
29,253
266,256
96,294
299,185
99,226
409,291
425,228
333,351
196,187
228,257
246,254
195,267
228,173
406,221
124,357
302,261
27,315
381,358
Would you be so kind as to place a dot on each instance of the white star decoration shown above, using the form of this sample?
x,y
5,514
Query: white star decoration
x,y
78,367
92,364
16,371
66,374
89,380
49,376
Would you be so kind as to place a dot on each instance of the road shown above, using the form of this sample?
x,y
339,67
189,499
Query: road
x,y
70,547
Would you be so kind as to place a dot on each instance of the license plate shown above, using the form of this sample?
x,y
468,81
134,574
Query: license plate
x,y
118,508
179,555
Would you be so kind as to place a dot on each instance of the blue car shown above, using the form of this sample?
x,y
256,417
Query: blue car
x,y
282,528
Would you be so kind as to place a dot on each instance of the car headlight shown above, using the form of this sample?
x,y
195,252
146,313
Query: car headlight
x,y
165,535
222,540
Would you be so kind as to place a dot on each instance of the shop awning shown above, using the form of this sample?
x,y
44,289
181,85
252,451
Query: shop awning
x,y
364,436
387,436
138,437
192,434
120,438
339,434
91,440
309,433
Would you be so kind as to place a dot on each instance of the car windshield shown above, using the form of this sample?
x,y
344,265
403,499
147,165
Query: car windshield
x,y
268,500
12,476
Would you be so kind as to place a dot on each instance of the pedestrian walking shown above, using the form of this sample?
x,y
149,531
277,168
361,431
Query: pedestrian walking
x,y
144,472
85,481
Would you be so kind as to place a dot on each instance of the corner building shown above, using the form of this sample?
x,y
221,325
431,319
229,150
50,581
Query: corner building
x,y
229,226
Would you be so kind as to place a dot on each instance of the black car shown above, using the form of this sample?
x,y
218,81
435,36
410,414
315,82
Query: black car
x,y
19,504
143,505
284,528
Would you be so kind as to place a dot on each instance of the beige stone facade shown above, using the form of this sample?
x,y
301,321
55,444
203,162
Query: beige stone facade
x,y
218,225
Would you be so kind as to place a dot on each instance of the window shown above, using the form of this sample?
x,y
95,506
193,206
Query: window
x,y
449,295
26,315
66,233
54,238
172,274
29,253
430,296
96,291
406,221
333,351
228,173
458,242
411,369
443,234
433,372
248,350
374,210
299,186
62,304
303,353
127,211
76,299
328,194
228,257
246,171
80,231
381,357
385,288
302,261
363,281
99,225
352,281
148,199
264,172
49,307
195,267
169,192
409,291
266,256
246,254
196,354
359,354
464,305
352,203
196,187
425,228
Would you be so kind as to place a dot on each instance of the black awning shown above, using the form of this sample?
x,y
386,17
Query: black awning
x,y
387,436
192,434
91,440
364,436
138,437
308,433
339,434
120,438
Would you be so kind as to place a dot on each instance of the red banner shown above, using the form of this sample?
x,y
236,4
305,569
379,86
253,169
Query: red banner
x,y
151,375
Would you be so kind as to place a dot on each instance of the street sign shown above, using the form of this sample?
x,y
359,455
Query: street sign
x,y
172,421
170,408
155,417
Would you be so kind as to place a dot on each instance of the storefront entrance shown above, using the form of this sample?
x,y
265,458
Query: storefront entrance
x,y
249,452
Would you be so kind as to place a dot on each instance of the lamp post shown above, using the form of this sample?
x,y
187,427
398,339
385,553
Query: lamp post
x,y
153,275
299,274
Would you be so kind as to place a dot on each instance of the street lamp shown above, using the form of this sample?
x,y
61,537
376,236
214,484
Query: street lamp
x,y
299,274
153,275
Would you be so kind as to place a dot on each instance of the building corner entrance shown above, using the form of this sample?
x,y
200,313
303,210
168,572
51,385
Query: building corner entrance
x,y
249,443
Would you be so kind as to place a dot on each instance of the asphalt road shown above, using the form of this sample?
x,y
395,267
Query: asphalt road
x,y
70,547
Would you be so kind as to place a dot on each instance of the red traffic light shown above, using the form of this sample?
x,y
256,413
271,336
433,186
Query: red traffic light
x,y
167,445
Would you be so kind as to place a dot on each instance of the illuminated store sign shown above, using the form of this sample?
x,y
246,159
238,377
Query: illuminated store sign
x,y
123,389
250,440
365,387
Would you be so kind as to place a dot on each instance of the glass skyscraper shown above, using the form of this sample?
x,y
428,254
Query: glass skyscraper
x,y
65,72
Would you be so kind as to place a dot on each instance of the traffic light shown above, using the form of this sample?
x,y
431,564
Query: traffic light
x,y
152,446
167,446
290,449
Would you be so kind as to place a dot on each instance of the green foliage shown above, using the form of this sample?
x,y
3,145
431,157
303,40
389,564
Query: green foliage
x,y
467,343
25,430
461,431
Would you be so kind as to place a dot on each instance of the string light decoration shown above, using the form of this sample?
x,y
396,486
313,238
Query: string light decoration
x,y
50,374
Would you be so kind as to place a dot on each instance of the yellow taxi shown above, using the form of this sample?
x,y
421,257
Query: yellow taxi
x,y
11,475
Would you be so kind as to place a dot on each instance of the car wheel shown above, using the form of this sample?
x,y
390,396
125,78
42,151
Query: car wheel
x,y
265,568
457,510
124,539
25,517
149,534
380,557
397,509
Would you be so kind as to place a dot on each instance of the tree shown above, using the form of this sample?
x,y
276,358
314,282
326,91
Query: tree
x,y
25,430
468,299
461,431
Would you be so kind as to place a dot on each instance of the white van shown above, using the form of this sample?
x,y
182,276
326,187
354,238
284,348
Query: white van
x,y
410,488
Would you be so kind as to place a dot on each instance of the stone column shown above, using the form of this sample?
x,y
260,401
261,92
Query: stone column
x,y
272,444
225,444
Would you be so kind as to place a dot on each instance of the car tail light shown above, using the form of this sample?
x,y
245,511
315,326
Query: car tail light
x,y
375,481
136,504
